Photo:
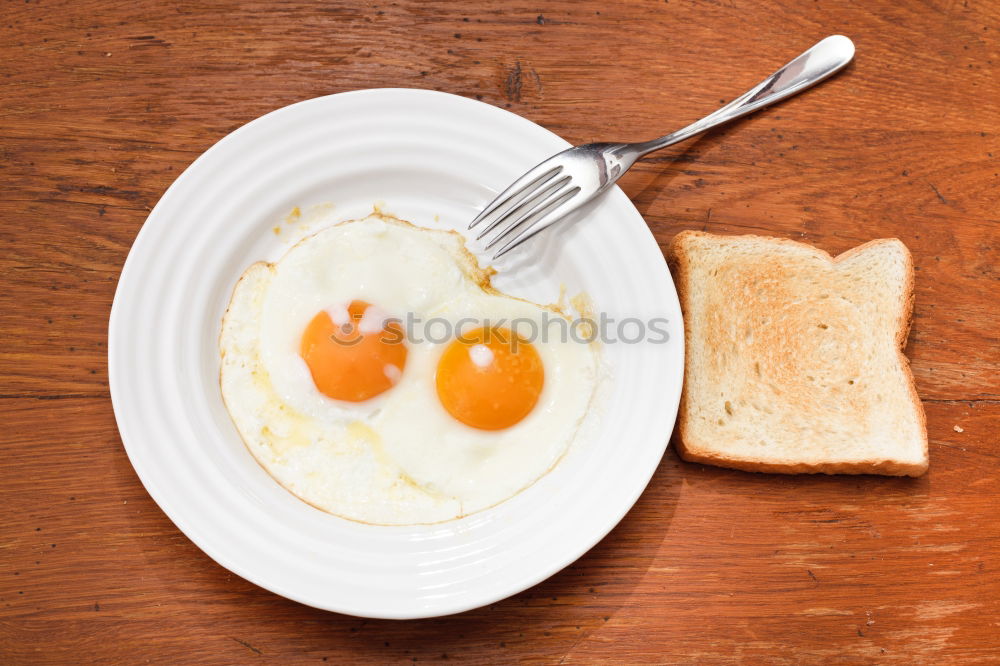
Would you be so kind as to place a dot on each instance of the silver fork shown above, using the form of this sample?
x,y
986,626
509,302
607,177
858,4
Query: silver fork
x,y
567,180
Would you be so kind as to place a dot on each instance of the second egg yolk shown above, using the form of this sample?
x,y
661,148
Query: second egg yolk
x,y
355,358
489,378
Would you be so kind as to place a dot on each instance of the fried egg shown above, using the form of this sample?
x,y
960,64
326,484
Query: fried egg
x,y
375,373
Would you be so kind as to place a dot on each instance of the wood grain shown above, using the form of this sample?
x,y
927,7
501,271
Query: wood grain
x,y
104,103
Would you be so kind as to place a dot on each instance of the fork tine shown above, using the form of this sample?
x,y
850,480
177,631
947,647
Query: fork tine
x,y
528,203
539,206
556,199
532,179
549,218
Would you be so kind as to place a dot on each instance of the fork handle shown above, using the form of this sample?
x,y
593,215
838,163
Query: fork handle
x,y
823,60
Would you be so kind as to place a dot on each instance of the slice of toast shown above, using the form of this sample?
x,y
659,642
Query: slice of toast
x,y
793,360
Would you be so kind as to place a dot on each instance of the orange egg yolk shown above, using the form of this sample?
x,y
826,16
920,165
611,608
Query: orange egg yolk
x,y
350,361
489,378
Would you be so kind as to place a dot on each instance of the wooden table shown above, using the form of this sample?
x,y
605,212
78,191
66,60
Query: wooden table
x,y
105,103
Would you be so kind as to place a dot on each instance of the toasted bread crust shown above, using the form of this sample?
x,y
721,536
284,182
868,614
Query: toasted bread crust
x,y
692,450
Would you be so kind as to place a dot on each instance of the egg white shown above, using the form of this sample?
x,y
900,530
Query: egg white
x,y
399,458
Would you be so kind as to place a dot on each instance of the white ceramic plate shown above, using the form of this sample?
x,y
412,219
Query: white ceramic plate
x,y
433,159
